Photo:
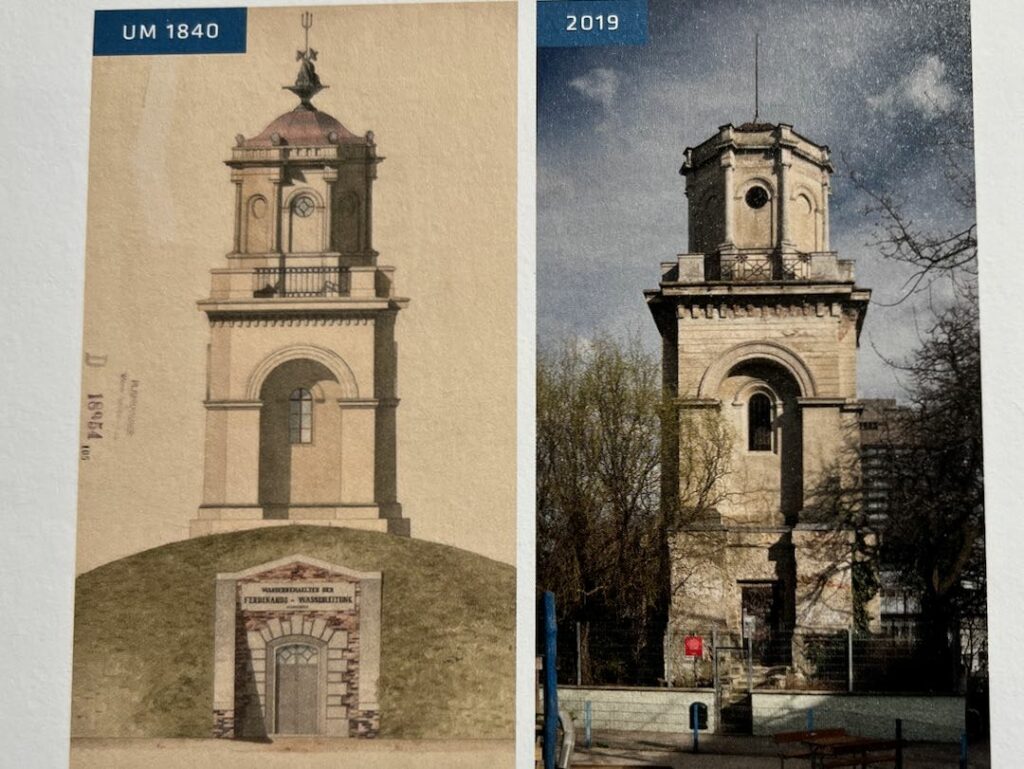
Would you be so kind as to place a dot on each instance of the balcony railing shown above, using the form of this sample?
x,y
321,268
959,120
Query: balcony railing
x,y
301,281
743,267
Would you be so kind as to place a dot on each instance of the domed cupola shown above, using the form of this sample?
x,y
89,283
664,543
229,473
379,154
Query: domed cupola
x,y
304,126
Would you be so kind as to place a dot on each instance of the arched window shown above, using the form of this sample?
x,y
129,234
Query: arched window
x,y
300,416
759,423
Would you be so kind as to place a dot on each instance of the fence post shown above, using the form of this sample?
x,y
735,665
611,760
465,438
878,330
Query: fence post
x,y
587,723
750,665
669,651
695,720
579,668
899,743
810,719
849,660
550,681
714,674
963,750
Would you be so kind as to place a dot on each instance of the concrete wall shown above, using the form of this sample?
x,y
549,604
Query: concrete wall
x,y
635,708
937,718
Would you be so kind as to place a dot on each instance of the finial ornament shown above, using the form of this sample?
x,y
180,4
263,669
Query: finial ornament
x,y
307,82
757,83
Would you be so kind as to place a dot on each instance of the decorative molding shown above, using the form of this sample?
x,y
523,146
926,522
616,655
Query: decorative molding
x,y
246,405
358,403
306,319
773,352
758,307
744,393
822,402
698,403
328,358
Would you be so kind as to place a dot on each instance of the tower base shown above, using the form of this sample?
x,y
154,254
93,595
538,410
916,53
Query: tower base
x,y
221,519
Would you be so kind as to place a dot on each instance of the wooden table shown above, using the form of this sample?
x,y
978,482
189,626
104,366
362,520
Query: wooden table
x,y
846,745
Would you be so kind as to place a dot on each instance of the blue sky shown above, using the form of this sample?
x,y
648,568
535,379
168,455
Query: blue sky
x,y
880,83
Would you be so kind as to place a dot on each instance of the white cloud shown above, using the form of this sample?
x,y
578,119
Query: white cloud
x,y
925,89
600,84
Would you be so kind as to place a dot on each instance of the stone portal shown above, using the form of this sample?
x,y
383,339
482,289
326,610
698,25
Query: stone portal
x,y
297,650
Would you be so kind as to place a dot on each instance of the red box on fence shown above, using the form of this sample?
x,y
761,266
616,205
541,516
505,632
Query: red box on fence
x,y
693,646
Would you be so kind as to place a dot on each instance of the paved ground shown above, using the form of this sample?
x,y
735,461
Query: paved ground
x,y
720,752
291,753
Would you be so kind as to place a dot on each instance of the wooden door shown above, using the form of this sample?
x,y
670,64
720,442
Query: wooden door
x,y
297,696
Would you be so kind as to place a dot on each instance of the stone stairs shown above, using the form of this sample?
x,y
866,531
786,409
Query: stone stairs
x,y
736,705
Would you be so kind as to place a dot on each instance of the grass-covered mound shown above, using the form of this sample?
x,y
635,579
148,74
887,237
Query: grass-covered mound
x,y
143,657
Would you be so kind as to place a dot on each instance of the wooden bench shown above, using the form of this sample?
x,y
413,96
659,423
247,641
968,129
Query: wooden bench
x,y
788,738
863,754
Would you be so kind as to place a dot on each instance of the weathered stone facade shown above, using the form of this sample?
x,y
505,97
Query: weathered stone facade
x,y
760,324
343,645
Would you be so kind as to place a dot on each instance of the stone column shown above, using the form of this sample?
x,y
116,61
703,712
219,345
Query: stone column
x,y
239,213
826,191
728,193
276,213
785,163
330,177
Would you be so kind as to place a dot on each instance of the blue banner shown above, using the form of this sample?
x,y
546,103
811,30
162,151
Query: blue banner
x,y
571,23
169,31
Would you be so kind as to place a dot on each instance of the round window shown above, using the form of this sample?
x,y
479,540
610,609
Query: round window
x,y
756,197
303,206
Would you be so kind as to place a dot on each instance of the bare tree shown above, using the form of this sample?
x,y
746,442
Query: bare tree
x,y
599,531
934,530
947,251
603,422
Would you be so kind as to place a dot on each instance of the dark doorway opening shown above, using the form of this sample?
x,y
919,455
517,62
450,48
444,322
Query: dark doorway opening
x,y
761,621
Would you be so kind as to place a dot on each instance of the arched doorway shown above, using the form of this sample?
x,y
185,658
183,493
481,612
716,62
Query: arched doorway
x,y
296,687
300,438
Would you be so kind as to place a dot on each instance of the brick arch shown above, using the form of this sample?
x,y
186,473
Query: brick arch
x,y
772,352
299,627
328,358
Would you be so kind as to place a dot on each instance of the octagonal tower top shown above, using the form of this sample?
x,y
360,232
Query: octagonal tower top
x,y
757,187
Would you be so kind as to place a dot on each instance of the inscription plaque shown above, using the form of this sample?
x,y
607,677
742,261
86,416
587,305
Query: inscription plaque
x,y
292,596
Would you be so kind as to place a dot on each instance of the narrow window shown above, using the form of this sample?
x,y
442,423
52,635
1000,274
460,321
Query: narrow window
x,y
300,416
759,423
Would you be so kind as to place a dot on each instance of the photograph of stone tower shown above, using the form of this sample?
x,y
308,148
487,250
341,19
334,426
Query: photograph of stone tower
x,y
297,506
760,323
768,503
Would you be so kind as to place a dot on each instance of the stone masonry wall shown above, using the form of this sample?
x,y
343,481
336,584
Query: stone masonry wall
x,y
335,632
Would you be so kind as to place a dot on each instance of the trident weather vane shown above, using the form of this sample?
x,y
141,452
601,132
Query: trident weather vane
x,y
307,82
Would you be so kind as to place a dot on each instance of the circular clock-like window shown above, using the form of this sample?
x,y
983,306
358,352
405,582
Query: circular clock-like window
x,y
303,206
756,197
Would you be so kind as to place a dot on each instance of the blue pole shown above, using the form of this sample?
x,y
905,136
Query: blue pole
x,y
963,750
695,721
586,723
810,719
550,681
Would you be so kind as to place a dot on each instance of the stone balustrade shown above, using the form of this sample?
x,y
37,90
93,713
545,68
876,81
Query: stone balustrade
x,y
763,266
